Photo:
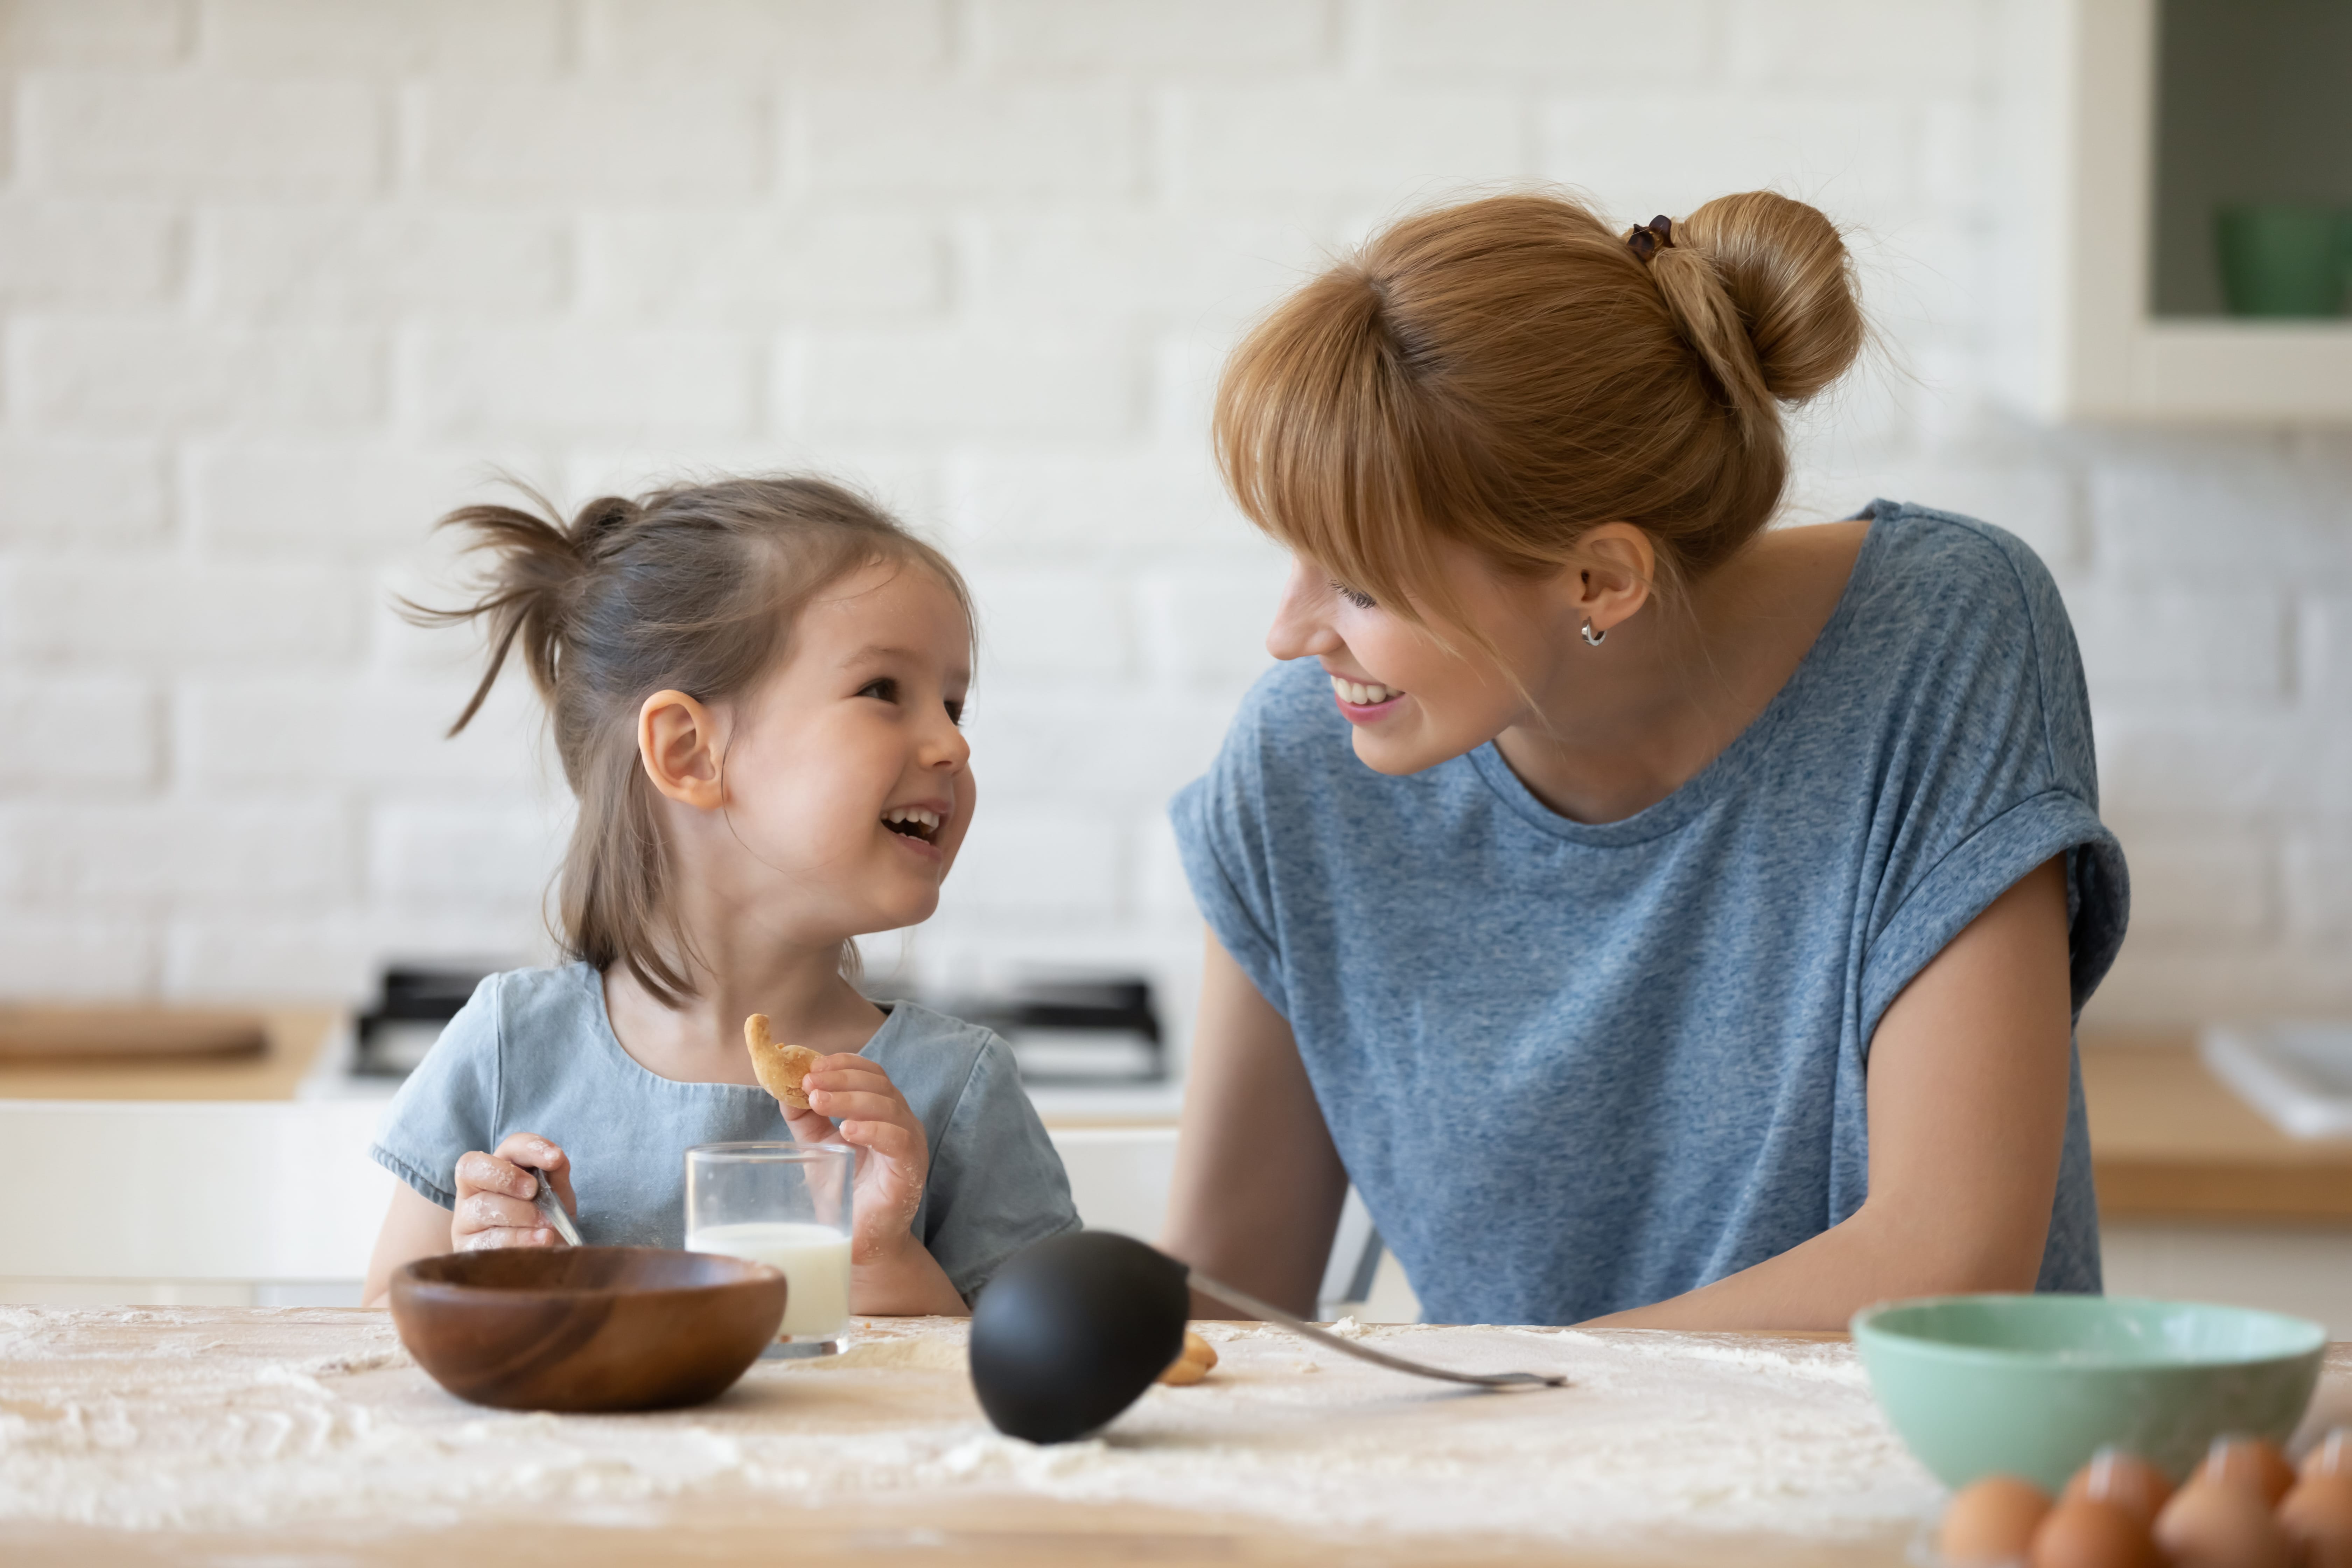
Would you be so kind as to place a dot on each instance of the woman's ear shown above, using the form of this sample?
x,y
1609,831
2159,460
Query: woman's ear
x,y
679,744
1611,580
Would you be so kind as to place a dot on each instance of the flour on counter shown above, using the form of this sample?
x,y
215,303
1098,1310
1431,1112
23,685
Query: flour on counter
x,y
310,1414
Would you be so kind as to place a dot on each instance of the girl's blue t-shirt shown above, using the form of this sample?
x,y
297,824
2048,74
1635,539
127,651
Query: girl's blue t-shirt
x,y
1578,1068
534,1051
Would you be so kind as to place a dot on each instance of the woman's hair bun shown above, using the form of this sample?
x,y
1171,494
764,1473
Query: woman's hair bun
x,y
1788,273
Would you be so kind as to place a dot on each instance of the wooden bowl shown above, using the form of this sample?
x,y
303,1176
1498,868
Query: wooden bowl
x,y
587,1327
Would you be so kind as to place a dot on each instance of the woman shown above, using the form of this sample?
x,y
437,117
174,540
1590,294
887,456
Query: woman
x,y
1662,921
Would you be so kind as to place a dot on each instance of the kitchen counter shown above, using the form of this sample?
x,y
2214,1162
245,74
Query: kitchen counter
x,y
2171,1142
293,1040
171,1435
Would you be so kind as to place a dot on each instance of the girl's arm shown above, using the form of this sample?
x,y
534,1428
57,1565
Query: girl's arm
x,y
414,1228
1967,1101
1258,1185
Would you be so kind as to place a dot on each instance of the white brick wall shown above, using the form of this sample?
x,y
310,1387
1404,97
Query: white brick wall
x,y
282,279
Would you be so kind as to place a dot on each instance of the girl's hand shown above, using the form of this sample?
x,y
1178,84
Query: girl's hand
x,y
874,1116
495,1193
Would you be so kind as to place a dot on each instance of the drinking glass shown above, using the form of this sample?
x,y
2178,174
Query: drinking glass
x,y
787,1205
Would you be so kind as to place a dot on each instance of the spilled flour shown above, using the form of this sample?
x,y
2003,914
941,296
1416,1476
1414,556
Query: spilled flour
x,y
213,1417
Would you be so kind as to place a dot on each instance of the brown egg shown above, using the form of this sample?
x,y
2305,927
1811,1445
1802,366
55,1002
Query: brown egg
x,y
2333,1457
2218,1523
2317,1517
2084,1533
2249,1462
1991,1521
2126,1480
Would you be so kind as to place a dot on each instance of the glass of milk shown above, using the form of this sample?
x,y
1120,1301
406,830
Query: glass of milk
x,y
787,1205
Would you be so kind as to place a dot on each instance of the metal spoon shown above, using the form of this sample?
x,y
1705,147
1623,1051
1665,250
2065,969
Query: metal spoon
x,y
1273,1314
551,1208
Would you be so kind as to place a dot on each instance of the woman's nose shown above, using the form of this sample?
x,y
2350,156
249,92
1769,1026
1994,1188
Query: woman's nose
x,y
1299,626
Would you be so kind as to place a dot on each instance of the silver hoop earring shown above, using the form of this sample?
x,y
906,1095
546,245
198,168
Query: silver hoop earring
x,y
1593,637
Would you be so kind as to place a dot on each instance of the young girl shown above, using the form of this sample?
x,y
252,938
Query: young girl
x,y
755,688
1657,919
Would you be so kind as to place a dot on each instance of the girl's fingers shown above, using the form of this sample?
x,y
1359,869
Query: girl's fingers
x,y
495,1211
531,1149
842,1105
480,1172
487,1240
870,1078
887,1139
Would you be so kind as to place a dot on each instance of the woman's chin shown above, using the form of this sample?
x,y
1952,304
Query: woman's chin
x,y
1399,754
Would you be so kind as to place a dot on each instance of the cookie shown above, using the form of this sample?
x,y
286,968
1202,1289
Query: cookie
x,y
780,1069
1192,1363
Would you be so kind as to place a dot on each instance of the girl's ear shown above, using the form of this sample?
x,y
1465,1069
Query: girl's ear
x,y
679,744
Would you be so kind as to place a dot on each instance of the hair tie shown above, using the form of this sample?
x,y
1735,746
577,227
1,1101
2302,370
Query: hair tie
x,y
1646,240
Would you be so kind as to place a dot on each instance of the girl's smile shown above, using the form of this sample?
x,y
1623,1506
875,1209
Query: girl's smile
x,y
916,827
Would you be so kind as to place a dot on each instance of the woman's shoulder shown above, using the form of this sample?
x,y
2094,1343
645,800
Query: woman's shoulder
x,y
1955,564
1956,626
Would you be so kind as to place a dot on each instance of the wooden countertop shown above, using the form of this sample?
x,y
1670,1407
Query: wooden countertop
x,y
293,1036
2168,1140
308,1435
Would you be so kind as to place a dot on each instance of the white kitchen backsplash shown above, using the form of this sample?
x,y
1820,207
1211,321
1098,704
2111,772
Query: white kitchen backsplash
x,y
281,282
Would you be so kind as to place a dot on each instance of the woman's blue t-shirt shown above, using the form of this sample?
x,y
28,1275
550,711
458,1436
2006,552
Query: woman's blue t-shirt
x,y
1578,1068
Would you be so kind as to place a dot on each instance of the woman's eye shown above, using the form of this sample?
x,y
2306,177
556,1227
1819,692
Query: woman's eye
x,y
885,689
1362,601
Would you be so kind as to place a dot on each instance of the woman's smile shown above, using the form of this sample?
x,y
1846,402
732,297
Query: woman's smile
x,y
1364,701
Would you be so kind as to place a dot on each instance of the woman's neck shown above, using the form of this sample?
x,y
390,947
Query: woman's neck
x,y
1617,728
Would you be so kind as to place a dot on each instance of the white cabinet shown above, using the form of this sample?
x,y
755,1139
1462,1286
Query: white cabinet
x,y
2133,120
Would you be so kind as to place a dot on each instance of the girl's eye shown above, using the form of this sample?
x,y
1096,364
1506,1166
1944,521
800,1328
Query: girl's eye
x,y
1362,601
884,688
955,711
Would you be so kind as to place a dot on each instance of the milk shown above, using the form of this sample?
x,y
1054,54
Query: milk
x,y
814,1257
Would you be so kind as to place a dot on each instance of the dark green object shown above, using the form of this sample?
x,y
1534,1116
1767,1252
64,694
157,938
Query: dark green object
x,y
2033,1385
1072,1331
2284,258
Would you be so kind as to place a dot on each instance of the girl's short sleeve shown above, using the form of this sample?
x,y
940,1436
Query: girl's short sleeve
x,y
449,1105
996,1184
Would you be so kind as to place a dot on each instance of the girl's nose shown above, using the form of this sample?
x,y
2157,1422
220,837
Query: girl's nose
x,y
945,746
1300,626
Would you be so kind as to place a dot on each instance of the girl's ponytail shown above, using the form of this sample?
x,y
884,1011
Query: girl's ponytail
x,y
692,588
533,588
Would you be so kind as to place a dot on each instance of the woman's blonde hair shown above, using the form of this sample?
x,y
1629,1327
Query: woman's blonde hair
x,y
1510,373
692,588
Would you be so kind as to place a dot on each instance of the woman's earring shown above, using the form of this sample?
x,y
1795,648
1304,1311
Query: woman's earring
x,y
1591,637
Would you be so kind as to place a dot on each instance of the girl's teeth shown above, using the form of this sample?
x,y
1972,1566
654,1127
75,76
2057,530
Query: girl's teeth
x,y
1362,695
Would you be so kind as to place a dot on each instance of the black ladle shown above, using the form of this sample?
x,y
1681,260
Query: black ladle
x,y
1074,1329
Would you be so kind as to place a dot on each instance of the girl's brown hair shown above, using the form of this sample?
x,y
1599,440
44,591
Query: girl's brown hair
x,y
692,588
1509,374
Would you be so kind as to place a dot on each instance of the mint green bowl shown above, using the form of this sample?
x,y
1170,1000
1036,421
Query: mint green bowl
x,y
2032,1385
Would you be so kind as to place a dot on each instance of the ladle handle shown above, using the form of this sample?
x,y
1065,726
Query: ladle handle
x,y
1274,1314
